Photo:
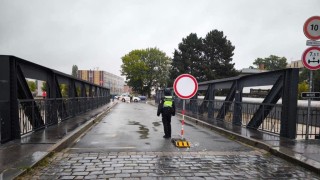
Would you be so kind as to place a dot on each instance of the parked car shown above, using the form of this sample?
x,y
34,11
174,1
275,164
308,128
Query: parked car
x,y
126,98
136,99
142,98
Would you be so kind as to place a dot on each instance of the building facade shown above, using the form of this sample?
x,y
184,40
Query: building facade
x,y
113,82
295,64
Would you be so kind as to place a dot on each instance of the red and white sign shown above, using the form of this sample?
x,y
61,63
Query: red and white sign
x,y
185,86
311,28
311,58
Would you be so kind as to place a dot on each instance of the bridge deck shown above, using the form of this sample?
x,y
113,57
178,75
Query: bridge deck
x,y
144,136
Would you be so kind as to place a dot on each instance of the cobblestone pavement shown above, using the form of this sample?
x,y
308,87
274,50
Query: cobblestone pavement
x,y
169,165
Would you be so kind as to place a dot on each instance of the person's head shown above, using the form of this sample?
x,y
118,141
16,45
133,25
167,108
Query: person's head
x,y
167,92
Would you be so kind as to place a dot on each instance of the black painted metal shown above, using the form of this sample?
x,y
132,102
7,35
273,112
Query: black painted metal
x,y
24,93
5,96
226,105
289,104
285,85
16,98
267,104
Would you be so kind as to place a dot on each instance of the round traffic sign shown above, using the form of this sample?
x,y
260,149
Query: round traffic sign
x,y
311,58
311,28
185,86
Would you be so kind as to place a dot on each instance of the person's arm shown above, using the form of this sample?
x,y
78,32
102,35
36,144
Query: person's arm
x,y
173,109
160,107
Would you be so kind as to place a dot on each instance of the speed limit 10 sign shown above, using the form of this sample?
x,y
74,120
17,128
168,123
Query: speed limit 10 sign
x,y
311,58
185,86
311,28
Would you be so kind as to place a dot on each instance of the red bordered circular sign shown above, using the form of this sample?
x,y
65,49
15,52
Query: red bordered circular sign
x,y
311,28
185,86
311,58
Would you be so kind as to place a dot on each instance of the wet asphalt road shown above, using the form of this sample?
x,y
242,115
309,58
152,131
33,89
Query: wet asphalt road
x,y
135,127
128,144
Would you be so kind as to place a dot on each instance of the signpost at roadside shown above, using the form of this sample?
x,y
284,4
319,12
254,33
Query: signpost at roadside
x,y
311,58
185,87
311,28
310,95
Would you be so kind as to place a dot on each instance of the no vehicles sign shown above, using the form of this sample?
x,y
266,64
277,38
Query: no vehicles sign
x,y
311,58
185,86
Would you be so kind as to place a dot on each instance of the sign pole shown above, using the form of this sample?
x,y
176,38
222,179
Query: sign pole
x,y
185,87
182,122
309,106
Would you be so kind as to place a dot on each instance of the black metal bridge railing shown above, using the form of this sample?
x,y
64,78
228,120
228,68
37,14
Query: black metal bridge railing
x,y
271,124
53,111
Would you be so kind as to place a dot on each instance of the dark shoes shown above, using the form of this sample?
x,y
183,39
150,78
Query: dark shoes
x,y
166,137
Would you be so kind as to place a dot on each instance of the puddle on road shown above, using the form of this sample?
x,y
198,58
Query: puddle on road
x,y
143,130
156,123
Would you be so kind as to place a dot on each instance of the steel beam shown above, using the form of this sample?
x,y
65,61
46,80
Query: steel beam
x,y
268,103
289,104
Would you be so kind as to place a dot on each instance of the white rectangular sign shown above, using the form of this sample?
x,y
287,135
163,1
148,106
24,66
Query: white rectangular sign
x,y
313,43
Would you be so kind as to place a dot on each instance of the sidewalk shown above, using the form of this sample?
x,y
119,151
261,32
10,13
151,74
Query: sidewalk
x,y
19,155
16,157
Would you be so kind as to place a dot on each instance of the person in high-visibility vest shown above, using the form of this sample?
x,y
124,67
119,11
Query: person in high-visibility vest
x,y
167,108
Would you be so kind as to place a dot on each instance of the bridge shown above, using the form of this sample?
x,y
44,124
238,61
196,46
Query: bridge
x,y
87,136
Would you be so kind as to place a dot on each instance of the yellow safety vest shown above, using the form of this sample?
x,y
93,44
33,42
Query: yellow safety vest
x,y
167,101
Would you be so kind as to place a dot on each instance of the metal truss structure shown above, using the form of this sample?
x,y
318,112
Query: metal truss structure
x,y
15,94
284,85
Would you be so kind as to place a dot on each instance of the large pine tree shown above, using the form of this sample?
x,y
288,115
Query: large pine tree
x,y
206,59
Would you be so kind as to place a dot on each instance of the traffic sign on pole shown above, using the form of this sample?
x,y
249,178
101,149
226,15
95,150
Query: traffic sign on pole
x,y
311,58
185,86
311,28
310,94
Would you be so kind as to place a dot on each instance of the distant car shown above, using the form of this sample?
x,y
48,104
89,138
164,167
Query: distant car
x,y
126,98
142,98
136,99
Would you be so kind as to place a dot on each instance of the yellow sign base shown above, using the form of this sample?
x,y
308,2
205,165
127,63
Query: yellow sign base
x,y
180,143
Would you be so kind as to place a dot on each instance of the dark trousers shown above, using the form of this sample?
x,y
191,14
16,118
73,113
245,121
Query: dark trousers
x,y
166,120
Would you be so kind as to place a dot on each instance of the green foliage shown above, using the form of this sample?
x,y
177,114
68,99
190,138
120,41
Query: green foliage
x,y
74,70
304,76
206,59
272,62
64,90
32,86
44,86
145,69
302,87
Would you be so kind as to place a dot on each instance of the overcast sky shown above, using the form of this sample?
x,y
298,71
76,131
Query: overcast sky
x,y
97,33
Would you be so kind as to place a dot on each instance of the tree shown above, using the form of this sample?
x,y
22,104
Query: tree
x,y
305,75
74,70
302,87
145,69
206,59
32,86
272,62
44,86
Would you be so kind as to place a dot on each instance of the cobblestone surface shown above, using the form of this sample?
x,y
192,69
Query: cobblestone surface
x,y
169,165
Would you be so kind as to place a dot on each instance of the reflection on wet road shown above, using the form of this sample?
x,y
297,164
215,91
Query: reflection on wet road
x,y
136,125
143,130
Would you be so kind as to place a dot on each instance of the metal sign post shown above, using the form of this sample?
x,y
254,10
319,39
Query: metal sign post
x,y
311,56
309,107
185,87
182,122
